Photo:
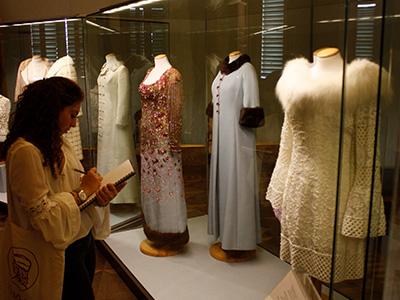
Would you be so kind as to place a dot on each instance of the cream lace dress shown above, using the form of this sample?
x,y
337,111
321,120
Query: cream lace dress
x,y
304,182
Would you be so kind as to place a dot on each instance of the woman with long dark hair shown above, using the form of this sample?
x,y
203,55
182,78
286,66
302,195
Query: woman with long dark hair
x,y
48,242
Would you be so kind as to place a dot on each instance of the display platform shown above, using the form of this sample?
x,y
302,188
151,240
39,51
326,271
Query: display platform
x,y
194,274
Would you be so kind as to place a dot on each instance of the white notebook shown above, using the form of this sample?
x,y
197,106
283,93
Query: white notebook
x,y
118,175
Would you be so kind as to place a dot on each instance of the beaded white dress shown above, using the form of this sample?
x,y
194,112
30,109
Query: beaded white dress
x,y
163,197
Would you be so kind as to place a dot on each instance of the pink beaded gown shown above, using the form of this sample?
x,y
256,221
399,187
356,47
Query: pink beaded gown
x,y
163,199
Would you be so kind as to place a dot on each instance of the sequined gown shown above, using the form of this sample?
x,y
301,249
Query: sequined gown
x,y
163,200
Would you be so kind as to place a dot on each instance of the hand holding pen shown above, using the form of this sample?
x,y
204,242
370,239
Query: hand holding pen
x,y
90,181
103,195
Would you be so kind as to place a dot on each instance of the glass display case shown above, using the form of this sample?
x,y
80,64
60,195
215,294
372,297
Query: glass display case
x,y
315,187
41,49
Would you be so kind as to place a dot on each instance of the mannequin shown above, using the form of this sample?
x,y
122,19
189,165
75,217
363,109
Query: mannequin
x,y
64,67
303,187
5,107
234,55
163,199
35,70
326,60
161,65
30,70
233,209
115,132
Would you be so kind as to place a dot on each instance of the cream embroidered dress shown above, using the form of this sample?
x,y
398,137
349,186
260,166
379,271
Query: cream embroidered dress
x,y
304,182
5,108
163,199
115,134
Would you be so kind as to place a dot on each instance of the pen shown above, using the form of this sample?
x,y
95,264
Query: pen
x,y
79,171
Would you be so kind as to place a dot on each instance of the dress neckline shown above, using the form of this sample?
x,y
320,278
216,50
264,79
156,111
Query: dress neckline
x,y
162,75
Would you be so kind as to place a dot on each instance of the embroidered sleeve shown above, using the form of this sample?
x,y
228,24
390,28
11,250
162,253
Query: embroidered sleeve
x,y
55,215
251,97
355,222
277,184
175,103
123,101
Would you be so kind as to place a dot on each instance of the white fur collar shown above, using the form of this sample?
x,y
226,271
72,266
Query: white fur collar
x,y
297,84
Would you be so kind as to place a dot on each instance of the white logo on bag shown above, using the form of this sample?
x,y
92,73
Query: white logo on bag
x,y
23,267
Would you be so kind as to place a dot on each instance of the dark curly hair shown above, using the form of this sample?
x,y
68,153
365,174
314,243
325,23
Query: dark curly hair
x,y
36,118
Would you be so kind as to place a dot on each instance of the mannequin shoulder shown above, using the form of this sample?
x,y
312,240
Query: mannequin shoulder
x,y
175,75
362,80
247,69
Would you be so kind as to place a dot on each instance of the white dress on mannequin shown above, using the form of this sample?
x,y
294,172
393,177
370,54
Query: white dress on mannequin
x,y
303,185
5,107
115,134
64,67
30,70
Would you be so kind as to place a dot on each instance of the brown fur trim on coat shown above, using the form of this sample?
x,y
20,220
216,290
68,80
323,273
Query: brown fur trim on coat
x,y
170,239
226,67
252,117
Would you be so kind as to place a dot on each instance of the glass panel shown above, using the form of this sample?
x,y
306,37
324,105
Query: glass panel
x,y
50,46
361,218
136,33
319,179
382,267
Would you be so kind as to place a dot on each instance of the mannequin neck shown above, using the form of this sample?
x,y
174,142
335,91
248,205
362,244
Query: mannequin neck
x,y
35,70
161,62
234,56
327,62
36,58
111,58
161,65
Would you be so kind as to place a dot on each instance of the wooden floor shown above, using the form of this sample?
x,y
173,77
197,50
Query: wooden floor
x,y
107,284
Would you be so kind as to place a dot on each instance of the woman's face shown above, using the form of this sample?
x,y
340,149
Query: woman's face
x,y
68,117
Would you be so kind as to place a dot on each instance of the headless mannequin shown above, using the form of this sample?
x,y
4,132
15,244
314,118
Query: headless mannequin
x,y
216,251
161,64
326,60
111,59
35,70
234,55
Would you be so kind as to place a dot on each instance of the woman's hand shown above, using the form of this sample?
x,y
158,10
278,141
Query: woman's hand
x,y
107,193
91,181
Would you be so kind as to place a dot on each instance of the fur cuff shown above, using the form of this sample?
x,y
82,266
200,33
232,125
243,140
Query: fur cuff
x,y
252,117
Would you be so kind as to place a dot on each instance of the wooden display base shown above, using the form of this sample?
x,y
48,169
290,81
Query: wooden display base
x,y
149,248
231,256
